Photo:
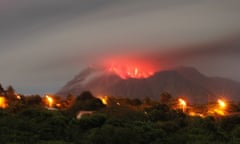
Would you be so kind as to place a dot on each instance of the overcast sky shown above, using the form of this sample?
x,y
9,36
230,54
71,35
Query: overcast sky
x,y
44,43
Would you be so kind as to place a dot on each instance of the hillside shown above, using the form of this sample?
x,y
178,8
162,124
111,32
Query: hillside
x,y
183,81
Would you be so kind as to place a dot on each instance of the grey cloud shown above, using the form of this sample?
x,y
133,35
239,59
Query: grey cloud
x,y
45,42
37,14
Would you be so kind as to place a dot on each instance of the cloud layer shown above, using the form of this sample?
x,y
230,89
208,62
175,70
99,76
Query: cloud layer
x,y
45,43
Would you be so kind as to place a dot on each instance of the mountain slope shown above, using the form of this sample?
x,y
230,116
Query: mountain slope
x,y
183,81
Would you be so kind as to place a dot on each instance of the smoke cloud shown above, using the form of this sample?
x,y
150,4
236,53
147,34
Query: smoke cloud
x,y
45,43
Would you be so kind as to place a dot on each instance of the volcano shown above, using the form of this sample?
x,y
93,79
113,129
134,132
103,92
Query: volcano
x,y
179,82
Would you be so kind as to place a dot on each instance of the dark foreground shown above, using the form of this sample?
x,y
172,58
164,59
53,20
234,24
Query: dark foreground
x,y
122,121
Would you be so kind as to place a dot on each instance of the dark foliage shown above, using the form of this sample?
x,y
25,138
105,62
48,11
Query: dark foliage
x,y
26,123
86,101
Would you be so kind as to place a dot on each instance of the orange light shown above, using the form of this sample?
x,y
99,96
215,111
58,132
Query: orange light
x,y
58,105
49,100
192,113
222,104
219,112
135,71
104,99
3,102
19,97
130,72
182,104
219,108
195,114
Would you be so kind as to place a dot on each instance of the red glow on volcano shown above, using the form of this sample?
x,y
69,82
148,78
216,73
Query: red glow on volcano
x,y
130,72
127,69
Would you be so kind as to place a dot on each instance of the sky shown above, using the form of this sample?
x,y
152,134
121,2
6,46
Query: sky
x,y
45,43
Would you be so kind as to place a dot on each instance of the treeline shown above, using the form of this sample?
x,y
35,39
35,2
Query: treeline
x,y
123,121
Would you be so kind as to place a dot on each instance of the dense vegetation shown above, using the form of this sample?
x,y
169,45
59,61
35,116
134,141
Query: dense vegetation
x,y
159,125
125,121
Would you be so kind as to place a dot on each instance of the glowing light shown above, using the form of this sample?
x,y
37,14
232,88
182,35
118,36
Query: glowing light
x,y
129,67
135,71
19,97
104,99
49,100
130,71
182,104
3,102
219,108
58,105
221,104
219,112
191,113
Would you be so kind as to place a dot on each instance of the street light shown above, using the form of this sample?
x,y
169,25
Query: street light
x,y
183,104
50,101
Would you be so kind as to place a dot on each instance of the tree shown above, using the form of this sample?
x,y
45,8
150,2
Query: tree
x,y
86,101
70,99
92,121
165,98
86,95
34,100
11,94
1,89
10,90
147,100
135,102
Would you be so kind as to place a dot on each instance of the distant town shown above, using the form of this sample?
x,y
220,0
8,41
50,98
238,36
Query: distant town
x,y
221,107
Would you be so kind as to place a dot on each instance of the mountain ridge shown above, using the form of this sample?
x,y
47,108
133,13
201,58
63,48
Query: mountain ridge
x,y
179,82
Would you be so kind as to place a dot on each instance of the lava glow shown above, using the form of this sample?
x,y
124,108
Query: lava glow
x,y
128,70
